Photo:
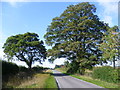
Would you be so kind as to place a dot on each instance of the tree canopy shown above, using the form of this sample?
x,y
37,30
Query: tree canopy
x,y
25,47
75,35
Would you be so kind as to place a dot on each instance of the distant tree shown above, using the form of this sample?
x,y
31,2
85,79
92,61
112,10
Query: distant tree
x,y
66,63
57,66
75,35
111,44
25,47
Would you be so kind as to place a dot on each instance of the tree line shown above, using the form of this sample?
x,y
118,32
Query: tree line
x,y
77,35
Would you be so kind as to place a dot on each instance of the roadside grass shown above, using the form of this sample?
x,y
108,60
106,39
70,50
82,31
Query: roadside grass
x,y
39,80
91,80
50,82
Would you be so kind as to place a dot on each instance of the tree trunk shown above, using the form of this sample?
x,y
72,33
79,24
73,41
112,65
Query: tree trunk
x,y
30,66
114,62
30,62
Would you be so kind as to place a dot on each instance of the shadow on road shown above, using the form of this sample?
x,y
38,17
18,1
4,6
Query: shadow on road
x,y
59,74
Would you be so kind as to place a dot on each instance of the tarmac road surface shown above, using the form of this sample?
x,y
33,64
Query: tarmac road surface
x,y
65,81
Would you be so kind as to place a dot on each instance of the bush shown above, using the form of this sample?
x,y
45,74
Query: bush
x,y
9,68
74,67
106,73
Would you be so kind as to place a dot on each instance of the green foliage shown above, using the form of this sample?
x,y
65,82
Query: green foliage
x,y
66,63
9,68
110,44
23,69
37,68
111,86
25,47
106,73
75,35
73,67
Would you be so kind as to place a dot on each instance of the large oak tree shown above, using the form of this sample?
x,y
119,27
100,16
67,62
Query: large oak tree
x,y
25,47
75,35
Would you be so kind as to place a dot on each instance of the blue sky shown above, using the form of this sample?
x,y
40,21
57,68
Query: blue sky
x,y
22,17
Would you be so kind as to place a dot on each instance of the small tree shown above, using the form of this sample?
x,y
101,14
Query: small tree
x,y
25,47
110,45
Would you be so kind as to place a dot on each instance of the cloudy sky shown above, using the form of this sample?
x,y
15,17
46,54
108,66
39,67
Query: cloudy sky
x,y
20,16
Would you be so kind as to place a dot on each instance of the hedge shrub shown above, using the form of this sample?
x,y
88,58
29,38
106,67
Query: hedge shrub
x,y
23,69
9,68
106,73
37,68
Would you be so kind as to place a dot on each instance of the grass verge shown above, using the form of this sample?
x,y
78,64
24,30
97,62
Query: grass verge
x,y
96,81
50,82
91,80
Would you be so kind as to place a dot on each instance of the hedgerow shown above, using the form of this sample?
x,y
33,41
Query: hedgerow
x,y
23,69
9,68
106,73
37,68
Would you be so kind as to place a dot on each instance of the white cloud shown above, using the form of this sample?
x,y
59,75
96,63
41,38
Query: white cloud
x,y
1,54
110,7
13,3
58,61
20,63
2,40
108,0
108,19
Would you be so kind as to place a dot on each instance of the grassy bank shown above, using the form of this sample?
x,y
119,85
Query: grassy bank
x,y
91,80
38,80
14,76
